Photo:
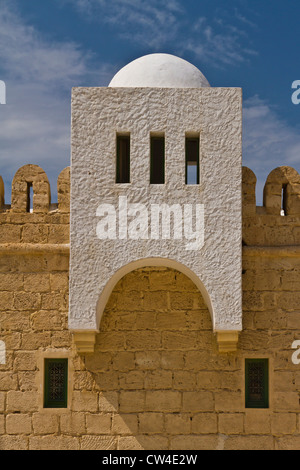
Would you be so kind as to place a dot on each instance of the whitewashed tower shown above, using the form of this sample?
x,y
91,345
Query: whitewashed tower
x,y
156,180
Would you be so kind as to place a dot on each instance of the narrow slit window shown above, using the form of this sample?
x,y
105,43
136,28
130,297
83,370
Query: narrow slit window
x,y
123,159
192,160
283,200
56,383
157,163
257,383
29,207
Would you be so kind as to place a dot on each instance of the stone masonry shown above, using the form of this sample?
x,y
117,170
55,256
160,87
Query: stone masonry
x,y
156,379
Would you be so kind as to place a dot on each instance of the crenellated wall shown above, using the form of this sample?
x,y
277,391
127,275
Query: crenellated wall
x,y
45,222
156,379
277,222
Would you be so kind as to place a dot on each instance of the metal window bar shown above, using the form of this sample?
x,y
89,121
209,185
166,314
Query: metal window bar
x,y
257,383
56,383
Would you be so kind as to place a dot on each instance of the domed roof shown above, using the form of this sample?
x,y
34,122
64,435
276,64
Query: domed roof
x,y
159,71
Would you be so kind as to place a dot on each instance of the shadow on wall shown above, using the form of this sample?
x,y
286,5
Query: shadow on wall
x,y
156,365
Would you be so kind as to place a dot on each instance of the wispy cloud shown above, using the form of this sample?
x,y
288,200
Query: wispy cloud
x,y
268,141
39,73
150,23
219,43
244,19
169,24
35,122
26,56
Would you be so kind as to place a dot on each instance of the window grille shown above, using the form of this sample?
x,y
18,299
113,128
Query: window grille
x,y
257,383
56,383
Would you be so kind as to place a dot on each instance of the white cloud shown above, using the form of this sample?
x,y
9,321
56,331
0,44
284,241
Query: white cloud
x,y
26,56
219,42
39,74
268,141
160,25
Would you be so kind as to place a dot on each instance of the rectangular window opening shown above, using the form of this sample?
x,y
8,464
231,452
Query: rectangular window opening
x,y
157,160
123,159
257,383
283,200
192,160
56,383
29,206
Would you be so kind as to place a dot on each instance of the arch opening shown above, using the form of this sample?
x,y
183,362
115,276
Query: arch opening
x,y
151,262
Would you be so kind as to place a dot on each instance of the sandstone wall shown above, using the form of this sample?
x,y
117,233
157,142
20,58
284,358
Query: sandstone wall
x,y
156,379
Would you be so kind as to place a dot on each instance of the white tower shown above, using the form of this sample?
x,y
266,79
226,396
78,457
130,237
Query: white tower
x,y
156,180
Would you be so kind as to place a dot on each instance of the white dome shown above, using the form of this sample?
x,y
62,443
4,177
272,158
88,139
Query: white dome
x,y
159,71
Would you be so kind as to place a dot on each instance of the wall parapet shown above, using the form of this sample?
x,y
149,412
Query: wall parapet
x,y
32,219
32,178
277,222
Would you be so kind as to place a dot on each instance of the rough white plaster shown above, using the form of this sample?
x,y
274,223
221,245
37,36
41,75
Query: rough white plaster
x,y
97,115
159,70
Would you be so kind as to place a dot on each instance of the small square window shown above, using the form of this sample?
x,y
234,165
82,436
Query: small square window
x,y
56,383
257,383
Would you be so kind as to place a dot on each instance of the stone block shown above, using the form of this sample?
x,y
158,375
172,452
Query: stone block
x,y
18,424
45,423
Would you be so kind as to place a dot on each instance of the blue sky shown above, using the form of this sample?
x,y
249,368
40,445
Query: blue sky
x,y
49,46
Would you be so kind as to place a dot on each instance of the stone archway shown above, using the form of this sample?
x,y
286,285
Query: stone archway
x,y
85,339
162,263
155,362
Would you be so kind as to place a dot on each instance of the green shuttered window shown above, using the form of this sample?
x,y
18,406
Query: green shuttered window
x,y
56,383
257,383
